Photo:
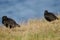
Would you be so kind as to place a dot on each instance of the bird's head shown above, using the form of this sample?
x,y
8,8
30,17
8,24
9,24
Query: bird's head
x,y
4,17
46,11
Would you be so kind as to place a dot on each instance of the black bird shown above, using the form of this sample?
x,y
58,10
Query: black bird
x,y
49,16
8,22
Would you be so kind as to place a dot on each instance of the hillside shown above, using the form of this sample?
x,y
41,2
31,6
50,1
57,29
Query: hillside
x,y
33,30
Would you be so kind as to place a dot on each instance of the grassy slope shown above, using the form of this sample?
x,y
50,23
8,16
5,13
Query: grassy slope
x,y
33,30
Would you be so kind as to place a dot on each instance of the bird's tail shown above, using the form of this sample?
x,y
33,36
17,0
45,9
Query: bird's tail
x,y
18,25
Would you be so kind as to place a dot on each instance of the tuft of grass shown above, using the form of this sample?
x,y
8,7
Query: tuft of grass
x,y
34,29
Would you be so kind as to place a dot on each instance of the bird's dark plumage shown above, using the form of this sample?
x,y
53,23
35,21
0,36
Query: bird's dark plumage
x,y
8,22
49,16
